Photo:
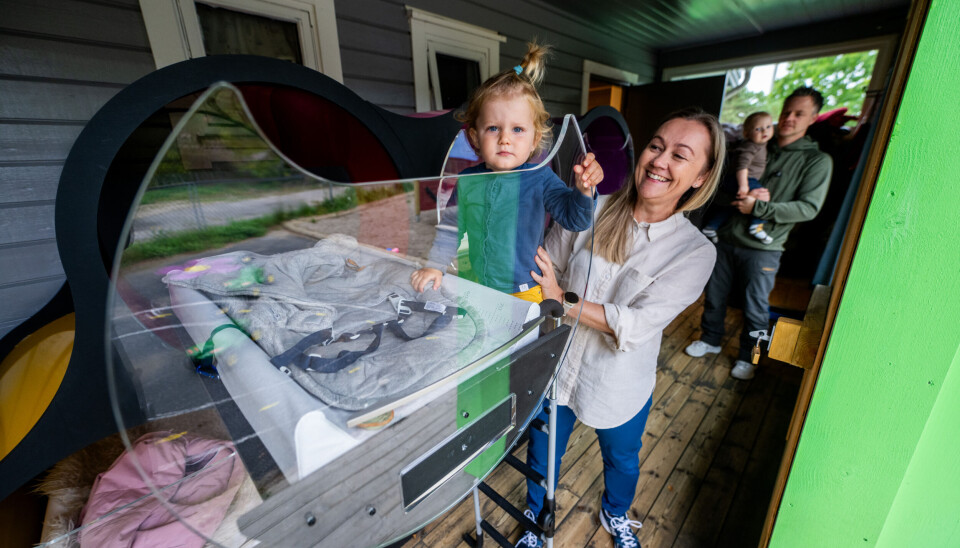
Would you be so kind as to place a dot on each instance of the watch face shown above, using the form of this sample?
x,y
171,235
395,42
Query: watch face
x,y
570,298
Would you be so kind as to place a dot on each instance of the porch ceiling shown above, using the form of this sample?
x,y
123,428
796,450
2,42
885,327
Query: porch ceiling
x,y
663,25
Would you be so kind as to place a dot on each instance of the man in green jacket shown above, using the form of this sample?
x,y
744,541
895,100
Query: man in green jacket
x,y
795,184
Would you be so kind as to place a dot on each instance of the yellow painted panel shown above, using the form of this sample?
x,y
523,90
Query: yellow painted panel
x,y
30,377
785,340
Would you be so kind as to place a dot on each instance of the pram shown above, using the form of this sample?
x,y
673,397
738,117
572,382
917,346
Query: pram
x,y
360,408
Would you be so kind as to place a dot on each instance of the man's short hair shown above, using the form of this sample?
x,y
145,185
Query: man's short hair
x,y
813,94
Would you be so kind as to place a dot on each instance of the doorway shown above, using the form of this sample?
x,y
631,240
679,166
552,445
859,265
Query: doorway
x,y
605,93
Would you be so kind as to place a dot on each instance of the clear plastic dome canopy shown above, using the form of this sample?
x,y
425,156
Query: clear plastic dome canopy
x,y
297,387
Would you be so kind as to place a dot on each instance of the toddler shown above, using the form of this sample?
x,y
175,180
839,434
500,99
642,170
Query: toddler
x,y
749,158
504,213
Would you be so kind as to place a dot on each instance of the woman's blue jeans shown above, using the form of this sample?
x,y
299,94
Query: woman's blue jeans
x,y
618,446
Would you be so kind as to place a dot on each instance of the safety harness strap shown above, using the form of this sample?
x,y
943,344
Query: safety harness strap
x,y
297,354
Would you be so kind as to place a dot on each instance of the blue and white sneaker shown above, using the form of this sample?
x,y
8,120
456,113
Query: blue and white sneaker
x,y
621,527
529,538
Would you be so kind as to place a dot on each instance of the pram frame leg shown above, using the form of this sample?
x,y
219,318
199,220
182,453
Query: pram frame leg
x,y
545,523
478,517
548,514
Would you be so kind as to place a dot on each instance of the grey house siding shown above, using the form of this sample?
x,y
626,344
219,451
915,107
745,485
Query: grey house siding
x,y
60,61
377,61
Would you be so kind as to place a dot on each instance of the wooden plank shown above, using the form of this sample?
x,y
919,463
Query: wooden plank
x,y
27,224
515,48
743,524
52,100
524,20
680,365
784,340
24,56
22,301
711,484
561,109
363,37
790,294
360,65
383,93
581,521
29,183
727,475
563,67
808,340
36,142
669,429
98,22
687,404
22,263
559,94
382,13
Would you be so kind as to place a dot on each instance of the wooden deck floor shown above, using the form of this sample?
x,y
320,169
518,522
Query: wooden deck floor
x,y
710,457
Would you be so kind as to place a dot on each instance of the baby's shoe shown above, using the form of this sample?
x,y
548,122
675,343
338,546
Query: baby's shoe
x,y
758,233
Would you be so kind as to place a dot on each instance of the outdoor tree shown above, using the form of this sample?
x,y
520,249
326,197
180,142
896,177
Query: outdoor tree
x,y
737,106
842,79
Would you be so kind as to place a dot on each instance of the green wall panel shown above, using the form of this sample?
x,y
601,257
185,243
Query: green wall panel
x,y
877,459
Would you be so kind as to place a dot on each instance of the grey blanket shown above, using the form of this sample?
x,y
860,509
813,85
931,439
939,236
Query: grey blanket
x,y
338,284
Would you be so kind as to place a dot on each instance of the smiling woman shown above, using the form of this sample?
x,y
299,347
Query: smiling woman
x,y
671,165
650,263
690,128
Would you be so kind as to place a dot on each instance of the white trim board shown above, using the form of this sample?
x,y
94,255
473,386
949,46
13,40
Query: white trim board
x,y
886,46
431,34
613,74
173,29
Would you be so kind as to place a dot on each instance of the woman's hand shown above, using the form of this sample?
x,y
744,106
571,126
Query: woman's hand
x,y
424,278
548,281
589,174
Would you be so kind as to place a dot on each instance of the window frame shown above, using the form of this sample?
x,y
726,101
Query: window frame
x,y
614,74
431,34
173,29
886,46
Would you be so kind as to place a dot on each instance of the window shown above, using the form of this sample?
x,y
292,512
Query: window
x,y
450,59
301,31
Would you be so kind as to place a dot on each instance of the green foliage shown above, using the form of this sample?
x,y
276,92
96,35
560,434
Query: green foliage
x,y
223,191
737,107
842,79
192,241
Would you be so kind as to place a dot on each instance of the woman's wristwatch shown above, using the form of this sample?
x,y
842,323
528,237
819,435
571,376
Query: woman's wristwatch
x,y
570,300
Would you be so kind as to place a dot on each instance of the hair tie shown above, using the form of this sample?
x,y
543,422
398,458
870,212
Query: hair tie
x,y
518,69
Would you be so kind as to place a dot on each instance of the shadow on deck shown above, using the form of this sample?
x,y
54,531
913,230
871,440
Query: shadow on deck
x,y
709,461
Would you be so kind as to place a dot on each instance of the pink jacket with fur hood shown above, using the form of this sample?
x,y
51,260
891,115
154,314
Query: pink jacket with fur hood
x,y
197,477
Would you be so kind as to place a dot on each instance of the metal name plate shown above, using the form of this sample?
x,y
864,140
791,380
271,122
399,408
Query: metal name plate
x,y
426,474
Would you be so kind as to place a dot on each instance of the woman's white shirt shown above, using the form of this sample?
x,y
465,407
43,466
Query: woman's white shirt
x,y
606,379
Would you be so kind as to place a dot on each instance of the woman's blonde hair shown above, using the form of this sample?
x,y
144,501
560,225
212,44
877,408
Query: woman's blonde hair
x,y
511,81
612,238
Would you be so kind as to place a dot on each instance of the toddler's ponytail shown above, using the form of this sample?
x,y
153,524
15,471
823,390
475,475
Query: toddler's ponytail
x,y
534,62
